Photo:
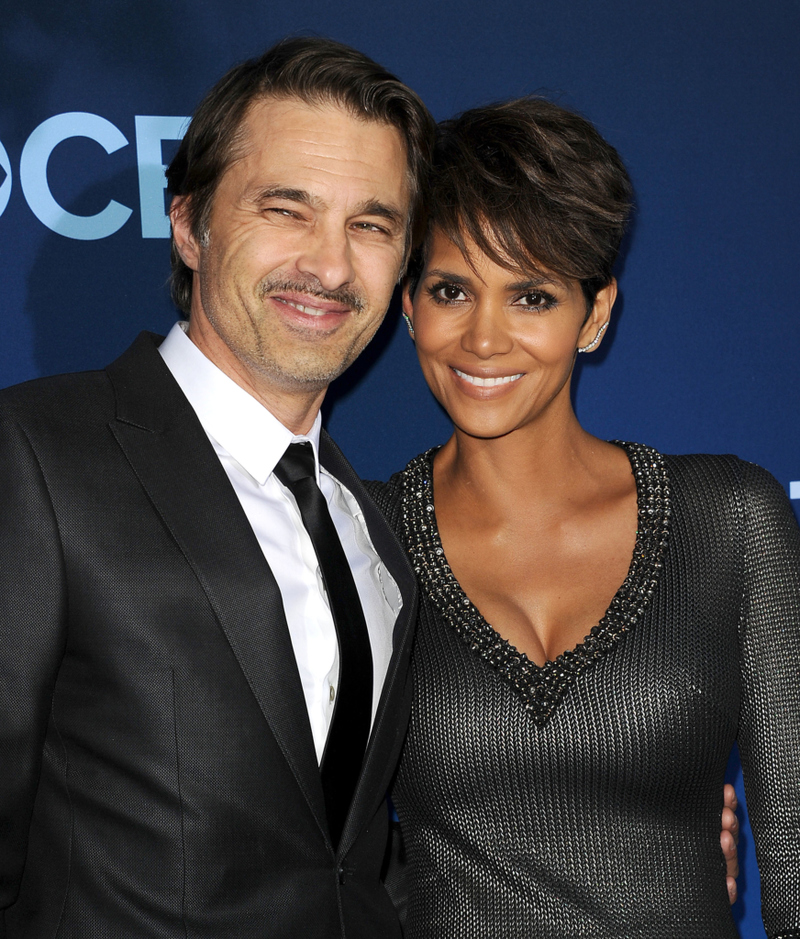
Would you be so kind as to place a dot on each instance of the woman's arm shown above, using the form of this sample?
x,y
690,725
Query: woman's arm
x,y
769,725
729,839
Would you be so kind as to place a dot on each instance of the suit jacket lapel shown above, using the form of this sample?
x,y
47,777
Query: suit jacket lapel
x,y
175,463
389,726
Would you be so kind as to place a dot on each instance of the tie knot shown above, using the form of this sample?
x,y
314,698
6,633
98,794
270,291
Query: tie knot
x,y
296,463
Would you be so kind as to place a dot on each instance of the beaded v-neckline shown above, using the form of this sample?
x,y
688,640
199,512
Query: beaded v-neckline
x,y
540,687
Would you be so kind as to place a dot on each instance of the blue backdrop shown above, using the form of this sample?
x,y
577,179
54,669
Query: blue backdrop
x,y
701,99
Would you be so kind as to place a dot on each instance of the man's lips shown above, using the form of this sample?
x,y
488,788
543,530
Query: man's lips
x,y
312,306
487,381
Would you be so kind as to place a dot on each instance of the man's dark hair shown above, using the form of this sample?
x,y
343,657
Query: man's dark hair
x,y
316,71
533,185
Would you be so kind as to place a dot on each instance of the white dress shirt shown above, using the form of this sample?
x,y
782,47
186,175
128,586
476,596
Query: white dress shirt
x,y
249,441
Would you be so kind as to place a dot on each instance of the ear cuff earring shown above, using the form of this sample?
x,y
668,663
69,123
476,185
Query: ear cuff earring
x,y
596,341
410,325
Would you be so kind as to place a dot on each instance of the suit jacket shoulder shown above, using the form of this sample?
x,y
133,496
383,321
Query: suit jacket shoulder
x,y
153,695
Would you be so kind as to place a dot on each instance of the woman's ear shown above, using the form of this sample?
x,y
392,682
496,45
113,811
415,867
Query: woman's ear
x,y
182,235
408,308
592,331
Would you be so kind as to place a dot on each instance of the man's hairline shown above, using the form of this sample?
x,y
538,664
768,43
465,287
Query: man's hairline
x,y
317,101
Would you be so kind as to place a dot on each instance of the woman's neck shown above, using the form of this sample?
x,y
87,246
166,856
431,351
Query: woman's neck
x,y
536,462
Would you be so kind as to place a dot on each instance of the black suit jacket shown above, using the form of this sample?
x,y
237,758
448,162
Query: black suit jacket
x,y
158,771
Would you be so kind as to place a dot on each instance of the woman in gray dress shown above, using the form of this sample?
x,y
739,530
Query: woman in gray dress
x,y
599,622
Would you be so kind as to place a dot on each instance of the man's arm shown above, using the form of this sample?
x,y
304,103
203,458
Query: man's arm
x,y
32,636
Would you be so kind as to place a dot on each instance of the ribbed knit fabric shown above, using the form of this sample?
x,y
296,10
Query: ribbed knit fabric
x,y
595,811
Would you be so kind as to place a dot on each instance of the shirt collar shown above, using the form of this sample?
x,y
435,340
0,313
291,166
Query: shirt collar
x,y
232,417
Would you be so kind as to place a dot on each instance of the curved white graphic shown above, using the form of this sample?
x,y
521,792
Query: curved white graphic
x,y
33,175
5,186
151,131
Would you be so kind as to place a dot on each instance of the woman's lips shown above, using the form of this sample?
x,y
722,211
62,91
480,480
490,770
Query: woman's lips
x,y
489,381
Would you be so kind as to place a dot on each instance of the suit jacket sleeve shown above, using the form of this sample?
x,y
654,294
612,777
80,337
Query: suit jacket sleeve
x,y
32,636
769,730
158,773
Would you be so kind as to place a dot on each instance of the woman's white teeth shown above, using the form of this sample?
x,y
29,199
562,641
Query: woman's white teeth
x,y
487,382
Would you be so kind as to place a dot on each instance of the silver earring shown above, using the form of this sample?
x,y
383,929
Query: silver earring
x,y
596,341
410,325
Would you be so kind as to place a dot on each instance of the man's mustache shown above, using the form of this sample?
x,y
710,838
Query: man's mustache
x,y
312,288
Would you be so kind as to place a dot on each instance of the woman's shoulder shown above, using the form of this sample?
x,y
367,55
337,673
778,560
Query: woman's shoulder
x,y
385,494
389,495
723,493
703,470
722,473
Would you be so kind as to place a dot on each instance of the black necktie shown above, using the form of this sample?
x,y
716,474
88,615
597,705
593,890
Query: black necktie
x,y
349,731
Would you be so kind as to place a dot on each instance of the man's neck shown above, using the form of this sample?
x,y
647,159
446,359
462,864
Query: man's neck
x,y
296,409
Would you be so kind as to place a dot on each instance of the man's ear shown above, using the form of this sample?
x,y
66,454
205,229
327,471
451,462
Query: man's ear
x,y
182,235
598,320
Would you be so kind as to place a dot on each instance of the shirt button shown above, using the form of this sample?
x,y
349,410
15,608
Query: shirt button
x,y
332,693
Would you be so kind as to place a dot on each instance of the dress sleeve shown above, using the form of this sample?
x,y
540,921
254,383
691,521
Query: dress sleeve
x,y
388,497
769,723
32,616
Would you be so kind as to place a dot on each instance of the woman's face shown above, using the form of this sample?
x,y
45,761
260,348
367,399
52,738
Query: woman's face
x,y
497,346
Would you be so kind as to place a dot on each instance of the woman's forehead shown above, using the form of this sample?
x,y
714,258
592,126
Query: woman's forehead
x,y
446,251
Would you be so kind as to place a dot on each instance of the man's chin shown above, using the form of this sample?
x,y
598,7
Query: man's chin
x,y
304,378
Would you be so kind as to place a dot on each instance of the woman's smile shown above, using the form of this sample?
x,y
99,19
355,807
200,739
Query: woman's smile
x,y
496,345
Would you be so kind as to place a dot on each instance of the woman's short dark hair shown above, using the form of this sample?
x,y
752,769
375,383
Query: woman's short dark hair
x,y
533,185
317,71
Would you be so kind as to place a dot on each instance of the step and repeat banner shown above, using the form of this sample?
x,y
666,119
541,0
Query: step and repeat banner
x,y
700,99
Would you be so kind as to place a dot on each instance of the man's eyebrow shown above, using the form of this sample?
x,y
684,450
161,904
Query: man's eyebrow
x,y
284,192
381,210
369,207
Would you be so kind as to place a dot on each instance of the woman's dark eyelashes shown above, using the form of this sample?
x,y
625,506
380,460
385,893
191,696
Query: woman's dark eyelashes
x,y
542,300
445,291
438,292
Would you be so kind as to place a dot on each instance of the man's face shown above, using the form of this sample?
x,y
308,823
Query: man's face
x,y
304,244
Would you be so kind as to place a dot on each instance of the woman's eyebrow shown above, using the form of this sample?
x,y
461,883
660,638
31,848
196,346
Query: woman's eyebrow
x,y
452,278
535,281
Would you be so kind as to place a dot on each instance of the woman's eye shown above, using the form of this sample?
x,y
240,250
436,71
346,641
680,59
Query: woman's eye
x,y
537,300
447,293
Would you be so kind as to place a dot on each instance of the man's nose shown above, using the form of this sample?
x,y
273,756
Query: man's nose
x,y
327,256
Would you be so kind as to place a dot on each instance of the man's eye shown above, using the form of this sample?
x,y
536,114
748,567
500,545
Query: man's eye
x,y
281,211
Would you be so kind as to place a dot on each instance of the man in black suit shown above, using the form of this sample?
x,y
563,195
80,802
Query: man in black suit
x,y
197,730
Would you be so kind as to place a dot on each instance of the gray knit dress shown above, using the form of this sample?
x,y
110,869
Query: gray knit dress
x,y
583,798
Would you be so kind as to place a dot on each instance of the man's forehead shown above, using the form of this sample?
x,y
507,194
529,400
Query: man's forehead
x,y
268,118
326,141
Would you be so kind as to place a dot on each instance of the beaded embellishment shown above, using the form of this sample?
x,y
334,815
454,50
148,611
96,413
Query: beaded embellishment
x,y
540,687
